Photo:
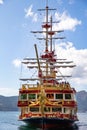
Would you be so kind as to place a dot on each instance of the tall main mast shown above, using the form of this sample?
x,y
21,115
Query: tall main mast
x,y
46,29
47,63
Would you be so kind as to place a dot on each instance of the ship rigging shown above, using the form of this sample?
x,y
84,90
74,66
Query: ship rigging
x,y
50,101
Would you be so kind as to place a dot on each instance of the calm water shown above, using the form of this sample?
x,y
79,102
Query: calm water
x,y
9,121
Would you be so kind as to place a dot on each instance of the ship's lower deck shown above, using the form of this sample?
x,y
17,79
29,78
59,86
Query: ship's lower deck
x,y
45,123
48,107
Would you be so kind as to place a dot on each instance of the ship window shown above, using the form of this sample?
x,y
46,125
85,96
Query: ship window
x,y
50,96
56,109
47,109
23,96
34,109
59,96
66,110
31,96
67,96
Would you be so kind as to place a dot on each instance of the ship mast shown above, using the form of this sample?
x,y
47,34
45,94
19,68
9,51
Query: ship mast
x,y
39,68
47,63
46,38
51,35
46,29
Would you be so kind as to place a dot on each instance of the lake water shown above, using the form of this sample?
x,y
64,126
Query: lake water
x,y
9,121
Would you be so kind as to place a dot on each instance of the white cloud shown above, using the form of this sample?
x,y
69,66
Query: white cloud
x,y
67,50
8,91
30,13
1,2
17,62
66,21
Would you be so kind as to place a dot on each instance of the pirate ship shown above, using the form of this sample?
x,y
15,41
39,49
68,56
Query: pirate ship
x,y
50,101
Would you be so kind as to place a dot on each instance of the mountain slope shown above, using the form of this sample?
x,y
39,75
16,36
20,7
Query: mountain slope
x,y
8,103
82,101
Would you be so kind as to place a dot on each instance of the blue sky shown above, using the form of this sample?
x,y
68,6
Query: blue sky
x,y
19,17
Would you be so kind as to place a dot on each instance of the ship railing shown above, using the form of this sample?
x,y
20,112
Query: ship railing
x,y
26,86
